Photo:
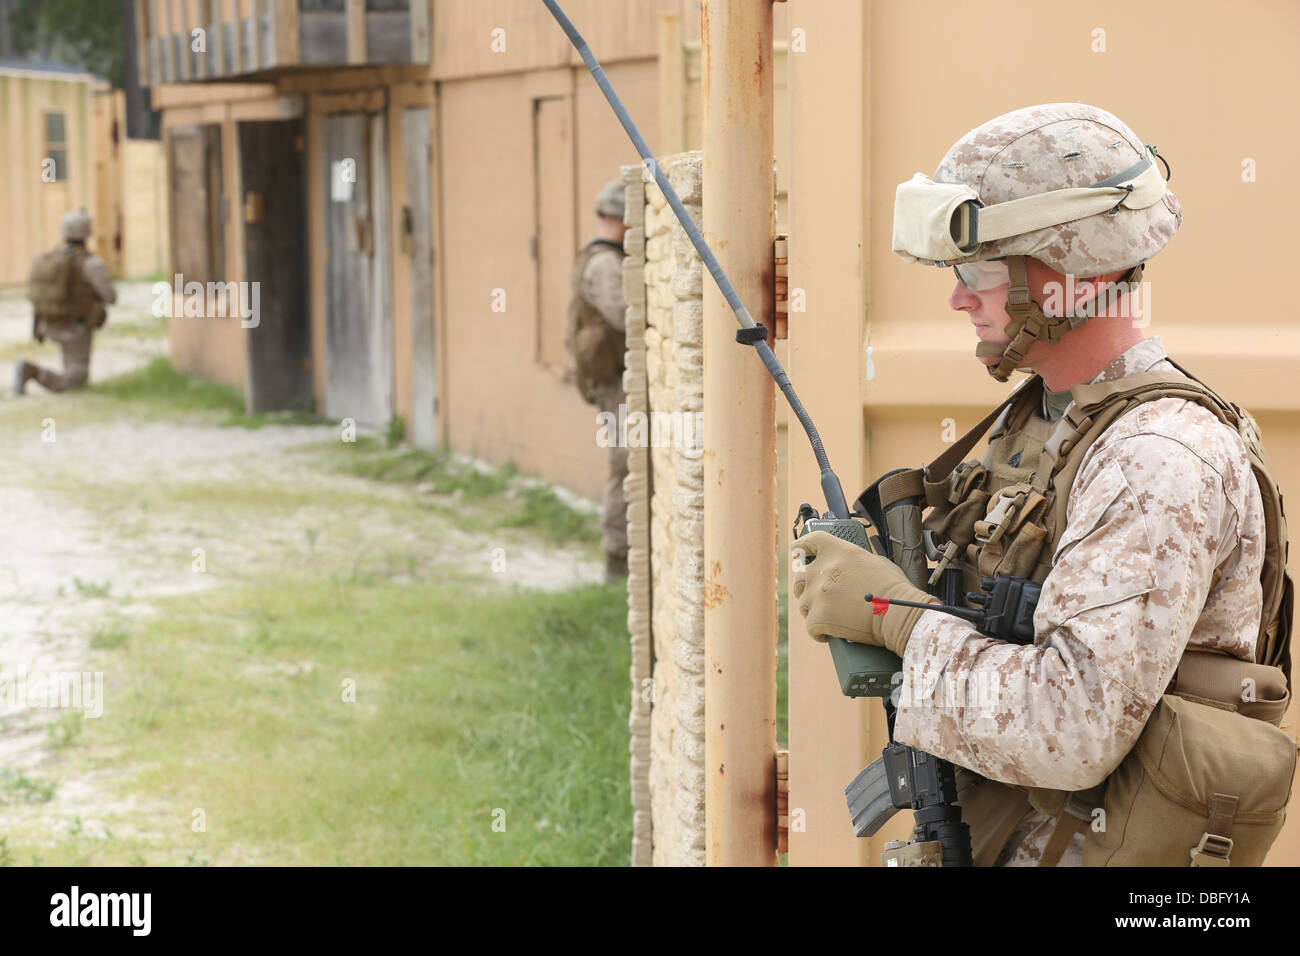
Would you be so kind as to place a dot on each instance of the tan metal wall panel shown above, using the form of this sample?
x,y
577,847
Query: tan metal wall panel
x,y
829,742
32,206
896,106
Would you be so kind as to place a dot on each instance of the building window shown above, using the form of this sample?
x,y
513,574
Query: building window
x,y
56,144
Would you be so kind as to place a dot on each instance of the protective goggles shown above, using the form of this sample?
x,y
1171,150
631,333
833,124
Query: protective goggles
x,y
983,276
939,222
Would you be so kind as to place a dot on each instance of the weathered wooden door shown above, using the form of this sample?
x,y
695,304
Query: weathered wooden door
x,y
358,308
278,372
197,204
417,146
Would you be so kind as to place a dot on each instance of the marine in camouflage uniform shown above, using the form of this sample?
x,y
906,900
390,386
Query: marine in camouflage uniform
x,y
598,290
74,335
1163,544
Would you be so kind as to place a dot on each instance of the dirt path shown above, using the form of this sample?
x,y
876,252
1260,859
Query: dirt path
x,y
109,514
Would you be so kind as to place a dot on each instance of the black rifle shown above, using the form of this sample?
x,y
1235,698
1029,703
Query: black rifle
x,y
904,778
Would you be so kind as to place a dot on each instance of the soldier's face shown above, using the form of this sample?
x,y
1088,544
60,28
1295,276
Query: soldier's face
x,y
984,301
986,304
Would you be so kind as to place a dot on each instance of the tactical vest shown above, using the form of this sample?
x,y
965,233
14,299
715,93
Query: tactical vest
x,y
596,346
1004,515
59,291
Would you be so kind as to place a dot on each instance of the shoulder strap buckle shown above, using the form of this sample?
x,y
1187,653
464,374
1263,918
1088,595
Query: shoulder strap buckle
x,y
1212,850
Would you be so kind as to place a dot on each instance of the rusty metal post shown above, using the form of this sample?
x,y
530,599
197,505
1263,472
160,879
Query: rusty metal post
x,y
739,441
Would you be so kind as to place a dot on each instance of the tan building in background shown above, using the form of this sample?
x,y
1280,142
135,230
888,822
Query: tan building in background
x,y
434,286
66,148
130,192
46,166
442,181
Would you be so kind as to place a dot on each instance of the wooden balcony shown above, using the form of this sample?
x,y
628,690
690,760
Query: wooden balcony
x,y
184,41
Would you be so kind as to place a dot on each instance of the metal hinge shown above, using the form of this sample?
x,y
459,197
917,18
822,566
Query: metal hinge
x,y
781,274
783,801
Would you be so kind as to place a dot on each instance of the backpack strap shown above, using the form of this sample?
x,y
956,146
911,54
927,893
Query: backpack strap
x,y
1074,818
1215,845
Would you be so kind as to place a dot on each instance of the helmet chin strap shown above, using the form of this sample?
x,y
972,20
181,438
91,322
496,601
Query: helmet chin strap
x,y
1028,323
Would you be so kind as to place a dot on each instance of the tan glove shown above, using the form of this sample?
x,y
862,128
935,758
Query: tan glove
x,y
831,589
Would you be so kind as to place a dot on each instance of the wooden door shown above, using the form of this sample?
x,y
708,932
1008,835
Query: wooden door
x,y
418,157
358,319
278,372
197,204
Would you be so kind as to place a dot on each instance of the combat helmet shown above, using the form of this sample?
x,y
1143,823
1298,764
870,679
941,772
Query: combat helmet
x,y
75,226
1066,183
610,199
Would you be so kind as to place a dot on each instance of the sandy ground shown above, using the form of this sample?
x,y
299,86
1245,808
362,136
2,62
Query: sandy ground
x,y
67,568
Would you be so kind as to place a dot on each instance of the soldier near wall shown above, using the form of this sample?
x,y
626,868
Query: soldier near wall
x,y
1138,497
597,342
69,289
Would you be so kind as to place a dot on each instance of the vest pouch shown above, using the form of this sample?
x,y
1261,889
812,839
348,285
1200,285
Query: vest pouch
x,y
1011,535
1203,786
958,525
1021,556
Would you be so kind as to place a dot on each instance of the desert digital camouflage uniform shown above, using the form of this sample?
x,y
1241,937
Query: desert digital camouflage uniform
x,y
601,286
1162,551
74,337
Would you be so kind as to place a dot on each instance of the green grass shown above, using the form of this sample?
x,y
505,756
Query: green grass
x,y
166,390
469,698
452,483
16,787
65,730
470,706
159,383
109,635
91,589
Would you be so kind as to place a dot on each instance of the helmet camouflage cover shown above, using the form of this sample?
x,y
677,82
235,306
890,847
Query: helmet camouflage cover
x,y
1058,146
1066,183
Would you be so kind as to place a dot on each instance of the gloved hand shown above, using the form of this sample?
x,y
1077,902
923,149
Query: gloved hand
x,y
830,593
